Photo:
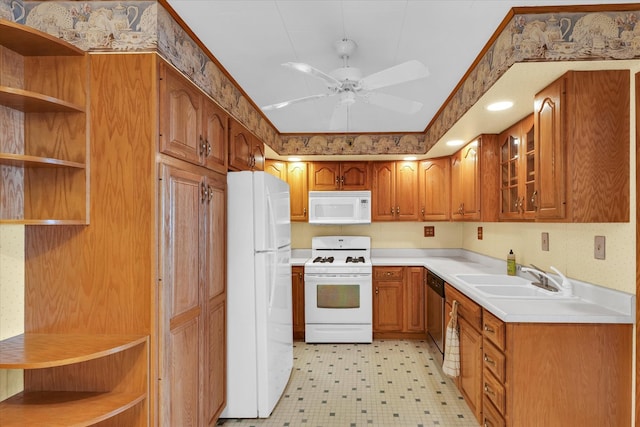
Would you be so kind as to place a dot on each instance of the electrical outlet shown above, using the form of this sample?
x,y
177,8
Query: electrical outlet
x,y
479,233
545,241
599,247
429,231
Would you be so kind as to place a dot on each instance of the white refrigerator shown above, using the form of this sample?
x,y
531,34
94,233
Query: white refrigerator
x,y
259,314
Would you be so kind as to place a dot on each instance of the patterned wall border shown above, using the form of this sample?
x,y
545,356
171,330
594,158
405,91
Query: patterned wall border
x,y
143,26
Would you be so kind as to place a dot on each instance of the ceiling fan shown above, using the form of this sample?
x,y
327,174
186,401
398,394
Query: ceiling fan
x,y
347,83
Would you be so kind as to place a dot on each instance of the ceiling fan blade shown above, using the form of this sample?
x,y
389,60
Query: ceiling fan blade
x,y
391,102
405,72
293,101
340,117
314,72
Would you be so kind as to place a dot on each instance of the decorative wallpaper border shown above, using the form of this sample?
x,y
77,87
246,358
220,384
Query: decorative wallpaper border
x,y
143,26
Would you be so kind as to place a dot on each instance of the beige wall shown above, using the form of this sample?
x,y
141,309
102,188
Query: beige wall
x,y
11,298
570,245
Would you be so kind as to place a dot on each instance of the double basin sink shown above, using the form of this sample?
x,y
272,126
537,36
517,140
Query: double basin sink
x,y
504,286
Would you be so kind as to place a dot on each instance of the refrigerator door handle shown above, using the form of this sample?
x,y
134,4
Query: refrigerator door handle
x,y
272,281
273,244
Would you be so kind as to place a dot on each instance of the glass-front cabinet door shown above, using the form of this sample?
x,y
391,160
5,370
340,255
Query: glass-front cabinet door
x,y
517,171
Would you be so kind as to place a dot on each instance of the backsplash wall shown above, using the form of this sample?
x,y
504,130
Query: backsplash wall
x,y
570,245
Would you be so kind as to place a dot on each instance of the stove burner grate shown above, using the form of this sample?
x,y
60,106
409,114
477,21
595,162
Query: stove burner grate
x,y
355,260
323,259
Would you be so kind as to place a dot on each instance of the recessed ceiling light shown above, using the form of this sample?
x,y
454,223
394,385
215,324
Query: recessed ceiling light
x,y
455,143
499,106
294,159
409,158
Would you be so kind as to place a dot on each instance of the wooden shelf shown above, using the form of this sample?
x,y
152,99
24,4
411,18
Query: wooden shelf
x,y
60,408
28,41
33,102
22,160
33,351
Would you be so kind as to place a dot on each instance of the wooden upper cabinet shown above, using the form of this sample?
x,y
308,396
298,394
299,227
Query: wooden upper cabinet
x,y
465,183
246,152
517,170
295,174
215,124
327,176
394,191
582,162
299,190
434,184
192,127
276,168
475,187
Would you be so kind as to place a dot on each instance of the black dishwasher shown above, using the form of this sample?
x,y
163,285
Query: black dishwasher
x,y
435,310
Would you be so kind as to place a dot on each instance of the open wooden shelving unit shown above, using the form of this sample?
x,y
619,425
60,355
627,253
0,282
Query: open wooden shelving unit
x,y
43,87
51,356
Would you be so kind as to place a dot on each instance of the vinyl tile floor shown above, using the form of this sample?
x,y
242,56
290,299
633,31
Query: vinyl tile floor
x,y
387,383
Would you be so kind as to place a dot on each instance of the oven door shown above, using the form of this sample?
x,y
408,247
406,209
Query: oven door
x,y
337,299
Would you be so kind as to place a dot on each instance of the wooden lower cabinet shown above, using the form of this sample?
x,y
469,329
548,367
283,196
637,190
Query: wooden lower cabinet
x,y
469,330
297,292
556,374
398,302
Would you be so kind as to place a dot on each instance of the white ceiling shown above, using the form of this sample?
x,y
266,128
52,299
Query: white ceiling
x,y
252,38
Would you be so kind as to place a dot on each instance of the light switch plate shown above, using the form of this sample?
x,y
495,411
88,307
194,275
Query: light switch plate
x,y
429,231
545,241
599,247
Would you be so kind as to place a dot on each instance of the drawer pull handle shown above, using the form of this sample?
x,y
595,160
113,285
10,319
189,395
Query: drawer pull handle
x,y
488,390
487,424
489,360
489,329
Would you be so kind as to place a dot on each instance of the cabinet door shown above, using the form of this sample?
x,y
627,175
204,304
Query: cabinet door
x,y
297,288
550,159
180,120
434,180
414,300
470,381
470,171
456,186
257,155
298,187
382,197
324,176
180,317
354,176
510,191
406,195
528,167
387,306
215,125
276,168
214,267
240,147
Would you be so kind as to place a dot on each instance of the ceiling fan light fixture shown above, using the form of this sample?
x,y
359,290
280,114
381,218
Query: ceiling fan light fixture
x,y
500,106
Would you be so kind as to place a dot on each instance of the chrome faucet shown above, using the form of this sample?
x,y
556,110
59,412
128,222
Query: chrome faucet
x,y
543,280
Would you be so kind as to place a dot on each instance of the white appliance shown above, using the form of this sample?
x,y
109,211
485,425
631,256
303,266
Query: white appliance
x,y
259,314
339,207
337,290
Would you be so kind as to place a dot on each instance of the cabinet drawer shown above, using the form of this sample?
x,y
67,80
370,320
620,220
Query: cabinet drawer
x,y
388,273
491,417
494,391
494,330
494,361
467,309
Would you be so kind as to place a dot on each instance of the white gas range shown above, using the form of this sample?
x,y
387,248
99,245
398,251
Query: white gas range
x,y
338,290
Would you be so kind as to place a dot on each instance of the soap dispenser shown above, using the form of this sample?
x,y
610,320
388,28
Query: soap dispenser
x,y
511,263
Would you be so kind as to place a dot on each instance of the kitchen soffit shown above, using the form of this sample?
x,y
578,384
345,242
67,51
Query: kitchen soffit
x,y
251,39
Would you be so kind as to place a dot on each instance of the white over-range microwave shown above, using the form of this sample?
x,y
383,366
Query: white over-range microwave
x,y
339,207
